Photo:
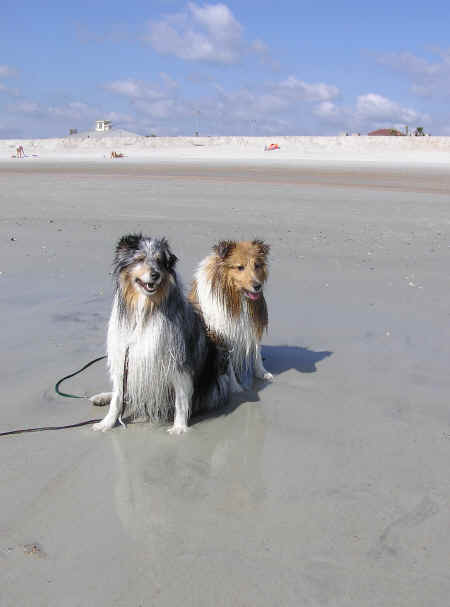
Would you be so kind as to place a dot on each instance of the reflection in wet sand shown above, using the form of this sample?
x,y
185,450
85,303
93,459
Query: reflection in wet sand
x,y
213,472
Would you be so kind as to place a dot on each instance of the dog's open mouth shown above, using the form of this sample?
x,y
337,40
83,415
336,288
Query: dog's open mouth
x,y
149,287
251,295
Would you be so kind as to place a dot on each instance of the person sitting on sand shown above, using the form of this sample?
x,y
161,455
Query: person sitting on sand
x,y
117,155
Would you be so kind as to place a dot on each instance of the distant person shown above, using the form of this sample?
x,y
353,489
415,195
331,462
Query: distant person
x,y
19,151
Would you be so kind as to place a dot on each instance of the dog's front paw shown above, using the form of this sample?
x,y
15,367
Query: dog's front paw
x,y
102,399
175,430
104,425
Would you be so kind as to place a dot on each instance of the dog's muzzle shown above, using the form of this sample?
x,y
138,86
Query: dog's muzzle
x,y
152,285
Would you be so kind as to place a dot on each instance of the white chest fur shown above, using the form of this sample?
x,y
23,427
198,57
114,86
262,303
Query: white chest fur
x,y
237,331
153,349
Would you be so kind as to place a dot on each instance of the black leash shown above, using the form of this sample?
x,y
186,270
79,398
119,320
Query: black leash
x,y
57,390
58,383
23,430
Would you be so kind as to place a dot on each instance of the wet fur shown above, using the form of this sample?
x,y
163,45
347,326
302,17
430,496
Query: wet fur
x,y
174,368
219,292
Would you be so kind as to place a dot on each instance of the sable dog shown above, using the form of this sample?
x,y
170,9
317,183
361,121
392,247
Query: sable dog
x,y
162,363
228,289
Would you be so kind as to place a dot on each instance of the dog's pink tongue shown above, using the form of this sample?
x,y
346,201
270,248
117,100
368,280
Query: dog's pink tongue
x,y
253,295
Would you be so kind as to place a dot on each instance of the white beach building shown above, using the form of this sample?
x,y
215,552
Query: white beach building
x,y
103,125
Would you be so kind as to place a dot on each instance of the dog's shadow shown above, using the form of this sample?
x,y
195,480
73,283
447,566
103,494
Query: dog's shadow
x,y
277,360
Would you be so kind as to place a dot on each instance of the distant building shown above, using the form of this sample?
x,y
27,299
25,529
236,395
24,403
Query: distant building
x,y
387,132
73,131
103,125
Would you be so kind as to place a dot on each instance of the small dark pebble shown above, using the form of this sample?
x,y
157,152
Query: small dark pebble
x,y
13,239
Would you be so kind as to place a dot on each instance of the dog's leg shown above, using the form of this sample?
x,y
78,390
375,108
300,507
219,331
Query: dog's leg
x,y
115,408
260,372
235,386
102,399
184,389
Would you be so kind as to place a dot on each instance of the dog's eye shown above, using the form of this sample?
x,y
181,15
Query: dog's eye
x,y
240,268
258,265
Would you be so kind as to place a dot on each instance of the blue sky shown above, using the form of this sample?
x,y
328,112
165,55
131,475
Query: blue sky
x,y
260,68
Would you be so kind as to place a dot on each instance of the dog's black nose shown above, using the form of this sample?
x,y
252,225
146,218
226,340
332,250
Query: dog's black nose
x,y
257,286
155,275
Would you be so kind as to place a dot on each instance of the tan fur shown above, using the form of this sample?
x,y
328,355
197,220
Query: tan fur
x,y
228,281
260,317
193,296
131,291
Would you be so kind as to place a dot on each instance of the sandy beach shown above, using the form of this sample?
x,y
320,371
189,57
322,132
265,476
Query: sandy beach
x,y
97,146
329,486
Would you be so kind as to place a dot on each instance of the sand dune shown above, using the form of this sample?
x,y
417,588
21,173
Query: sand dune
x,y
236,149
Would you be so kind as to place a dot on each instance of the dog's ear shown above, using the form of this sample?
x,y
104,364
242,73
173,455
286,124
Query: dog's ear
x,y
171,260
125,250
128,243
263,248
224,248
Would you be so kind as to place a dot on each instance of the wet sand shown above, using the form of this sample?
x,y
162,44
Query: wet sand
x,y
373,175
329,486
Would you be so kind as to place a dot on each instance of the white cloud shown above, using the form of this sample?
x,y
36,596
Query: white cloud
x,y
282,97
370,111
309,92
409,63
267,107
329,112
278,104
76,112
85,113
158,100
381,110
427,78
136,89
200,33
